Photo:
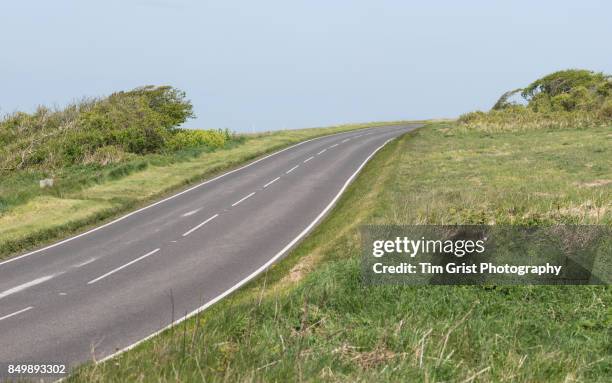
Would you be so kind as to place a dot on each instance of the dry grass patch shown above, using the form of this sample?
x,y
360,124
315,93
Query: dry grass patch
x,y
43,213
367,359
596,183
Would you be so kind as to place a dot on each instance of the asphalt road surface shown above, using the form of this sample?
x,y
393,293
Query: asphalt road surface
x,y
101,292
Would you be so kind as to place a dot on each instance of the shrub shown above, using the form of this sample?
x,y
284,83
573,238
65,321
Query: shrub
x,y
565,99
139,121
564,81
213,139
568,90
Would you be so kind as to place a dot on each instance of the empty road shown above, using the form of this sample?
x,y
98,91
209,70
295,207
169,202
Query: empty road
x,y
102,291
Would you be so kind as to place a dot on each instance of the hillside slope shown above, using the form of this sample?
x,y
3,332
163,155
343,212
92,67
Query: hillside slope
x,y
310,318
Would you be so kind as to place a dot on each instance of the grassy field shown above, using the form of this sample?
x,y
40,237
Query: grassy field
x,y
310,317
90,194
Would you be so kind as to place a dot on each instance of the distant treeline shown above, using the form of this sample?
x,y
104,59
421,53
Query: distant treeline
x,y
102,130
565,99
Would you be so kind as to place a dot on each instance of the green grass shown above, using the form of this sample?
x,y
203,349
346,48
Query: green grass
x,y
309,318
88,195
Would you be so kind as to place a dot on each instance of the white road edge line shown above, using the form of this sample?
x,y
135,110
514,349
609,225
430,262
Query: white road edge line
x,y
271,182
256,272
24,286
308,159
123,267
200,225
321,152
17,312
292,169
242,199
175,195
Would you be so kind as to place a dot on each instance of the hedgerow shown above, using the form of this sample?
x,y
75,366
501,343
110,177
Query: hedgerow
x,y
102,130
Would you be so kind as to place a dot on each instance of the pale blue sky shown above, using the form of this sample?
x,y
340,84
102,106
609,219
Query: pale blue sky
x,y
291,64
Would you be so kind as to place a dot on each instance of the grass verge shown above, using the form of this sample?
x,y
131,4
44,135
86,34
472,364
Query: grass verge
x,y
310,318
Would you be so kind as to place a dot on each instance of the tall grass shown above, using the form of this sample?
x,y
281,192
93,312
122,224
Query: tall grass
x,y
520,119
570,99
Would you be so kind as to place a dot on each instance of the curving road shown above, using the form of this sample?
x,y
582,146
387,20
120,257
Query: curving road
x,y
98,293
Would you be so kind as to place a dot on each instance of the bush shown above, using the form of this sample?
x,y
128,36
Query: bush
x,y
213,139
140,121
565,99
568,90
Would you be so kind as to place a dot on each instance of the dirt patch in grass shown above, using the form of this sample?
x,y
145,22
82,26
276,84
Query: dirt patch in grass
x,y
367,359
586,209
297,272
595,183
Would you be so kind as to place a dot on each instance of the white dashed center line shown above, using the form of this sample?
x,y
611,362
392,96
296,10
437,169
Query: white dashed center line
x,y
25,286
16,313
292,169
271,182
242,199
348,139
200,225
321,152
308,159
191,212
333,146
123,267
87,262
